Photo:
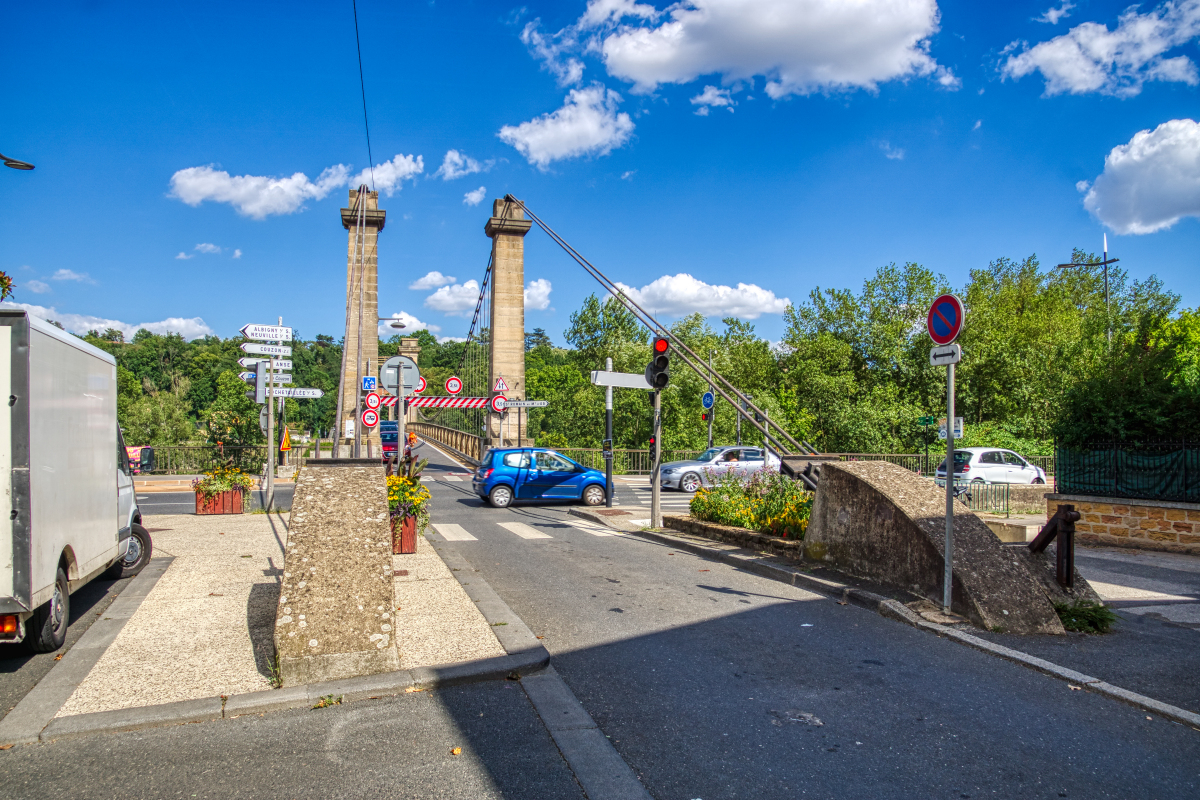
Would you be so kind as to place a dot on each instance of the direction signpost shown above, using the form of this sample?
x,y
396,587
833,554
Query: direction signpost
x,y
266,349
944,323
250,363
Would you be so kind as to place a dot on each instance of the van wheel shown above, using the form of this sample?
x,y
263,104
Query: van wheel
x,y
136,558
48,625
500,497
594,495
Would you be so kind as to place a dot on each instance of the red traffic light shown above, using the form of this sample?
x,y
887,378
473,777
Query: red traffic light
x,y
704,417
661,345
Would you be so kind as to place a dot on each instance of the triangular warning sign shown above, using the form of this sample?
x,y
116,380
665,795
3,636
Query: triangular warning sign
x,y
500,386
286,444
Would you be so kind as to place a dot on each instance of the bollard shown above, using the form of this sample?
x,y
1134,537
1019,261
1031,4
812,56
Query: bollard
x,y
1065,563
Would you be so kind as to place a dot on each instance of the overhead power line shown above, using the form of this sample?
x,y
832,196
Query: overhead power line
x,y
362,84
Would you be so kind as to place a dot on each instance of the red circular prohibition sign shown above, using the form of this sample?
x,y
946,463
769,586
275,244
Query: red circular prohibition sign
x,y
945,319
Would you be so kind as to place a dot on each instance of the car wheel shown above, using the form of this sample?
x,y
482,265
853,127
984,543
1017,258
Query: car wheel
x,y
1039,482
978,482
594,495
141,548
690,482
501,496
48,625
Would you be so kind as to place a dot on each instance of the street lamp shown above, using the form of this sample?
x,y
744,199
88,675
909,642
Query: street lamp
x,y
14,163
1104,263
394,323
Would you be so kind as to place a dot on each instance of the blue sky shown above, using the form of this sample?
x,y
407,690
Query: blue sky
x,y
764,146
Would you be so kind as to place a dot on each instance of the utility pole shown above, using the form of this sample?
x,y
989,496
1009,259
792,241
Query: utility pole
x,y
712,411
608,435
655,481
1104,263
948,573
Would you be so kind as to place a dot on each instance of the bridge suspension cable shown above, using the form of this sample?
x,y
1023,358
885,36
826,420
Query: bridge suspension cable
x,y
686,354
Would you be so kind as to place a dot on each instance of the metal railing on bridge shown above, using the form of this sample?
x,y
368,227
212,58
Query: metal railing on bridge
x,y
195,459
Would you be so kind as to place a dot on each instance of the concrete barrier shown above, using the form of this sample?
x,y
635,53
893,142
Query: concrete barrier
x,y
335,617
882,522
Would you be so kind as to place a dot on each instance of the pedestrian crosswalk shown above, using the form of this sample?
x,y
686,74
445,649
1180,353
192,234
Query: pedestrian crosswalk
x,y
453,532
674,501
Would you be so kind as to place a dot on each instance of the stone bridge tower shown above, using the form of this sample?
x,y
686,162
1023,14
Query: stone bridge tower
x,y
363,312
507,228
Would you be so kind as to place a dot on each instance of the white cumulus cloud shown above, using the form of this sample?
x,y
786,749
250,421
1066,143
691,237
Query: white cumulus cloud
x,y
458,165
537,294
411,326
71,275
431,280
37,287
205,247
552,51
587,124
254,196
713,97
799,46
1091,58
455,300
1150,183
236,254
475,196
190,329
683,294
184,256
1053,15
389,175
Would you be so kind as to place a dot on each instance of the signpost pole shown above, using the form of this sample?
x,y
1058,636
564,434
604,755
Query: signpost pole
x,y
949,570
712,410
608,434
269,499
655,483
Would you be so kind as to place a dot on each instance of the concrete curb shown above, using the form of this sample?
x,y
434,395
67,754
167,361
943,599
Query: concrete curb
x,y
36,710
894,609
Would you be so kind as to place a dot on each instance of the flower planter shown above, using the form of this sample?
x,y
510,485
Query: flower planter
x,y
404,535
230,502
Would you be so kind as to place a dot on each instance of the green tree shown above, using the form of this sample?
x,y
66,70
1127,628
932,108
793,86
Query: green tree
x,y
233,418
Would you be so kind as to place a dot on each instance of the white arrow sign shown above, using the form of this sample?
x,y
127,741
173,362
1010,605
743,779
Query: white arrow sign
x,y
625,380
526,403
252,377
946,354
266,349
280,363
299,394
267,333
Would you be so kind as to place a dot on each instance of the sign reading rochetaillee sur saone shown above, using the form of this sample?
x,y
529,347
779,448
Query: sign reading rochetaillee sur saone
x,y
267,333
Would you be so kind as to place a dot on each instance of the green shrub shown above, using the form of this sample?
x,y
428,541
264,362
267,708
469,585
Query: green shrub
x,y
1085,616
766,502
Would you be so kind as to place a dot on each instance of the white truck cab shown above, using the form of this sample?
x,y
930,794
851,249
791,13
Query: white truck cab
x,y
64,476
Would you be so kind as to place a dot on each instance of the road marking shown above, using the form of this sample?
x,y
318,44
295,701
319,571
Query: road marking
x,y
428,480
453,533
591,527
523,530
452,479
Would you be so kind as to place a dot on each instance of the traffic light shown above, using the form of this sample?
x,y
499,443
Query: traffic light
x,y
704,416
658,373
653,448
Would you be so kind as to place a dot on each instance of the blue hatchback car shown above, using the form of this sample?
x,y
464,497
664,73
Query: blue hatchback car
x,y
535,473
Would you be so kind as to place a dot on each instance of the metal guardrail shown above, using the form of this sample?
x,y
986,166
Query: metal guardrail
x,y
920,463
625,462
195,459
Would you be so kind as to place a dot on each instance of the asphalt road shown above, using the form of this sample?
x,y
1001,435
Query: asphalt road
x,y
710,682
185,502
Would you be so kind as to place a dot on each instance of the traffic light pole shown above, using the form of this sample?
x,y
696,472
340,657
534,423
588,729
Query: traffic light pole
x,y
711,411
655,467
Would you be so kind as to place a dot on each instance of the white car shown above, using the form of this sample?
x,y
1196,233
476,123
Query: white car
x,y
990,465
688,476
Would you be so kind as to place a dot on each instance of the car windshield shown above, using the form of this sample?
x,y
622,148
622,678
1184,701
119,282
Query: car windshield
x,y
960,457
709,454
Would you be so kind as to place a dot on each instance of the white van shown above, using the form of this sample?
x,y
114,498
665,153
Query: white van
x,y
65,483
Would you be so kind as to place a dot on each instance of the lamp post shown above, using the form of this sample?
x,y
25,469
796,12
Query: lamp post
x,y
15,163
1104,263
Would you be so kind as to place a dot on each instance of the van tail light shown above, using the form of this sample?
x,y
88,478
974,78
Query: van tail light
x,y
8,625
484,474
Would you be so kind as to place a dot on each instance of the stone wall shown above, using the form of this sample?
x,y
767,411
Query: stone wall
x,y
1145,524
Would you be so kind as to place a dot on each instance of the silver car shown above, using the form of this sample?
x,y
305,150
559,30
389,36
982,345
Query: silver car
x,y
990,465
688,476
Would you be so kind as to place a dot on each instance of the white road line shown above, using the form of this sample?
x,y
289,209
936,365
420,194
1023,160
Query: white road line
x,y
523,530
453,533
428,480
591,527
452,479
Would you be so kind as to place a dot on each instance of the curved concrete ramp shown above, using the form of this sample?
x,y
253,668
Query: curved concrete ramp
x,y
879,521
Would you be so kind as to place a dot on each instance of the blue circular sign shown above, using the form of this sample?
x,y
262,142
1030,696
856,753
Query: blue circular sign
x,y
708,400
